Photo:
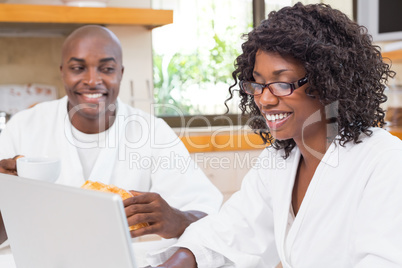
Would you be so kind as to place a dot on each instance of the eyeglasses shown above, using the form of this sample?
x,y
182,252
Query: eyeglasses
x,y
278,89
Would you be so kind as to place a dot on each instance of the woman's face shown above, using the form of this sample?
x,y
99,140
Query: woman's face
x,y
299,115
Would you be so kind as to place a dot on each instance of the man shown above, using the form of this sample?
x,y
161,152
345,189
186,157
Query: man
x,y
102,139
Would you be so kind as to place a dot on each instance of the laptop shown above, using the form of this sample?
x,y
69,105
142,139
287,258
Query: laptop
x,y
57,226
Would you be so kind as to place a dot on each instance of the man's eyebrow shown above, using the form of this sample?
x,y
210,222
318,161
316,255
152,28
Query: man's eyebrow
x,y
101,60
108,59
76,59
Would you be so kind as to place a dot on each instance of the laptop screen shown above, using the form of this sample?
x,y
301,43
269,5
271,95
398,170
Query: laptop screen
x,y
56,226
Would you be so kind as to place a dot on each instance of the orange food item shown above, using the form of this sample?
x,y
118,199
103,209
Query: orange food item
x,y
98,186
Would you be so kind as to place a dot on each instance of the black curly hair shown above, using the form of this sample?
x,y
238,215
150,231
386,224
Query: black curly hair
x,y
341,63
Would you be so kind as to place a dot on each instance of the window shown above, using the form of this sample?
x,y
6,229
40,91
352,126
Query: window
x,y
194,56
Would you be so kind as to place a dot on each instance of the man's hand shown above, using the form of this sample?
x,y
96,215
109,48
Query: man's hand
x,y
163,220
9,166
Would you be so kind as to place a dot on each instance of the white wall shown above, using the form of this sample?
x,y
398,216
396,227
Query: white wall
x,y
227,169
346,6
137,85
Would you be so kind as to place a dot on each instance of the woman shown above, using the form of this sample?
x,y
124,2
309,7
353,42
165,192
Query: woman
x,y
312,83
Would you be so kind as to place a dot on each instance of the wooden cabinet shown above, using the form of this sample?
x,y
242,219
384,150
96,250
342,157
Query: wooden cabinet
x,y
20,15
395,56
396,131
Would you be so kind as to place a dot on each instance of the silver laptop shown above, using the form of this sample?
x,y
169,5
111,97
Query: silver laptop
x,y
56,226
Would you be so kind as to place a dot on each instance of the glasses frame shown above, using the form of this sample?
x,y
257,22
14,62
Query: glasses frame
x,y
293,86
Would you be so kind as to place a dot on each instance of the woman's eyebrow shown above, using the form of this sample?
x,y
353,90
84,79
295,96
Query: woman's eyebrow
x,y
276,72
255,73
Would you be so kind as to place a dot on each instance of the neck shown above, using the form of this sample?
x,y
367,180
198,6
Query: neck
x,y
314,149
90,125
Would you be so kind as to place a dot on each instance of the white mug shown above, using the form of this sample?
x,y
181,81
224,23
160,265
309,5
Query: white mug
x,y
39,168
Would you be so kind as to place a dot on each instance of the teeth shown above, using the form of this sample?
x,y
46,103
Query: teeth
x,y
274,117
93,96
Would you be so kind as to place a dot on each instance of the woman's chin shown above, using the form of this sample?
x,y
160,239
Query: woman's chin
x,y
279,135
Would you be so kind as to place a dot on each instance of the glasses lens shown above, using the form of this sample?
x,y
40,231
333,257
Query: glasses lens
x,y
281,89
252,88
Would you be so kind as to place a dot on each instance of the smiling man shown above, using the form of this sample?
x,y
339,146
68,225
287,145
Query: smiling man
x,y
95,135
91,70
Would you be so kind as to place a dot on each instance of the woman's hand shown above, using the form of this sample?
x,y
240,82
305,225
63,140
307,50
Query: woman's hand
x,y
163,219
183,258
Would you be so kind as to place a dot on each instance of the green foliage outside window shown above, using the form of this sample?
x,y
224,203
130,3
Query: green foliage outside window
x,y
176,76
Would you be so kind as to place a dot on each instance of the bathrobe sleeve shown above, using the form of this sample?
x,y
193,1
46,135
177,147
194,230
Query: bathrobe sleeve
x,y
241,235
378,226
182,183
9,139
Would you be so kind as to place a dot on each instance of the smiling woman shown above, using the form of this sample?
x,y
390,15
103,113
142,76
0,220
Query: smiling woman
x,y
339,181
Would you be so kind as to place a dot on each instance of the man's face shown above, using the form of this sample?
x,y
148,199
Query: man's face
x,y
91,71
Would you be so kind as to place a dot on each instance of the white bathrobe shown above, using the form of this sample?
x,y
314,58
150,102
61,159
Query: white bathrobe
x,y
351,215
139,152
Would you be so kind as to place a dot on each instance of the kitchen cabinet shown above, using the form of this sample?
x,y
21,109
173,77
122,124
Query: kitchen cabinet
x,y
396,132
21,15
395,56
